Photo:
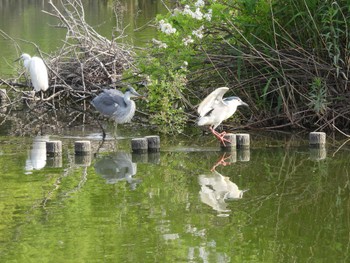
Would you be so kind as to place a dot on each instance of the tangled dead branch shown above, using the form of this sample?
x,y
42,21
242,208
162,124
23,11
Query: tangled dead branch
x,y
86,62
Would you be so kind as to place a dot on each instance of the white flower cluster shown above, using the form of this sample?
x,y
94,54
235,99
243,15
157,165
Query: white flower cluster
x,y
199,3
187,40
184,65
207,16
198,13
199,32
160,44
166,27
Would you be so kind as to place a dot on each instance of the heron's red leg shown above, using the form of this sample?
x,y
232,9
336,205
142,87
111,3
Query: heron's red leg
x,y
221,162
220,136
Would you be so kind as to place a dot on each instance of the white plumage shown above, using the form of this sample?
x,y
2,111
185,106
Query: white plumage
x,y
37,71
214,109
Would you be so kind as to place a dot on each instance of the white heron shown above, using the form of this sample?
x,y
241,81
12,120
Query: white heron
x,y
214,109
37,71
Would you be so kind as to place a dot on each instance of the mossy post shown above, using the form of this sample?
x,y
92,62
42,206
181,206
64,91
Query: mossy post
x,y
139,145
153,143
82,147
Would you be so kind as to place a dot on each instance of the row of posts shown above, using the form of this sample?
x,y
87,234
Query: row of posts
x,y
138,145
152,143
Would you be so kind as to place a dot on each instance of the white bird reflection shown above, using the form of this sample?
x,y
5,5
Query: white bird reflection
x,y
117,167
37,155
216,188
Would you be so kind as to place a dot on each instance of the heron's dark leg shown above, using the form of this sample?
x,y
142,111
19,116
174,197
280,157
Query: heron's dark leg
x,y
103,130
220,136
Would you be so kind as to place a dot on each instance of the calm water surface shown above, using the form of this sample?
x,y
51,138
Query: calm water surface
x,y
277,202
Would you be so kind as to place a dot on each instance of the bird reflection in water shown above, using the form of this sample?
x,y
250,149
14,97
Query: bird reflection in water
x,y
117,167
216,188
37,155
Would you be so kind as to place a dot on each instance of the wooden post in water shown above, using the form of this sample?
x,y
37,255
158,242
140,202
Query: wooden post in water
x,y
82,147
230,142
139,145
153,142
317,138
54,148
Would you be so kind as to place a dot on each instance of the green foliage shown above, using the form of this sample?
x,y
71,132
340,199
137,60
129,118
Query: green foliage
x,y
164,98
318,96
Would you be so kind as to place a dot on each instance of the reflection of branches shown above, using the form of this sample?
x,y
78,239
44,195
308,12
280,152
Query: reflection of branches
x,y
80,184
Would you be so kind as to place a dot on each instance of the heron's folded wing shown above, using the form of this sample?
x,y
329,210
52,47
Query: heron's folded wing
x,y
115,96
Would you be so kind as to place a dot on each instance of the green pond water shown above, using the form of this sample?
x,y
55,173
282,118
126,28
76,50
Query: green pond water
x,y
279,201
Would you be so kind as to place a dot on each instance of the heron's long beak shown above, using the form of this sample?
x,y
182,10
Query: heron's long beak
x,y
135,93
17,59
244,104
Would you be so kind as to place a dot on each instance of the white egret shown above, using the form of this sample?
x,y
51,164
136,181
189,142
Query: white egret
x,y
214,109
37,71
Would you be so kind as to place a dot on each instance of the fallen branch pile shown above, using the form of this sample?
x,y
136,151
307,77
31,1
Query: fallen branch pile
x,y
86,62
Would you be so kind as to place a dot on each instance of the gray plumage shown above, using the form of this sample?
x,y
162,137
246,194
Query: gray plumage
x,y
116,105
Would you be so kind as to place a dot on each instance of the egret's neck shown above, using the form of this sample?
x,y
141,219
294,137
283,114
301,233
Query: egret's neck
x,y
26,63
26,60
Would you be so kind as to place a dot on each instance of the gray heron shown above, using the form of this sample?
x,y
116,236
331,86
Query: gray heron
x,y
116,105
214,109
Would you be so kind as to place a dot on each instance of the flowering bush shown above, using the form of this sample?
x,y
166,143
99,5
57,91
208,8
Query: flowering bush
x,y
175,49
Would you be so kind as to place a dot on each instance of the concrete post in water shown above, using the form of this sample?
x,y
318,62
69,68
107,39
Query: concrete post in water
x,y
54,148
153,143
317,138
230,142
242,140
139,145
82,147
